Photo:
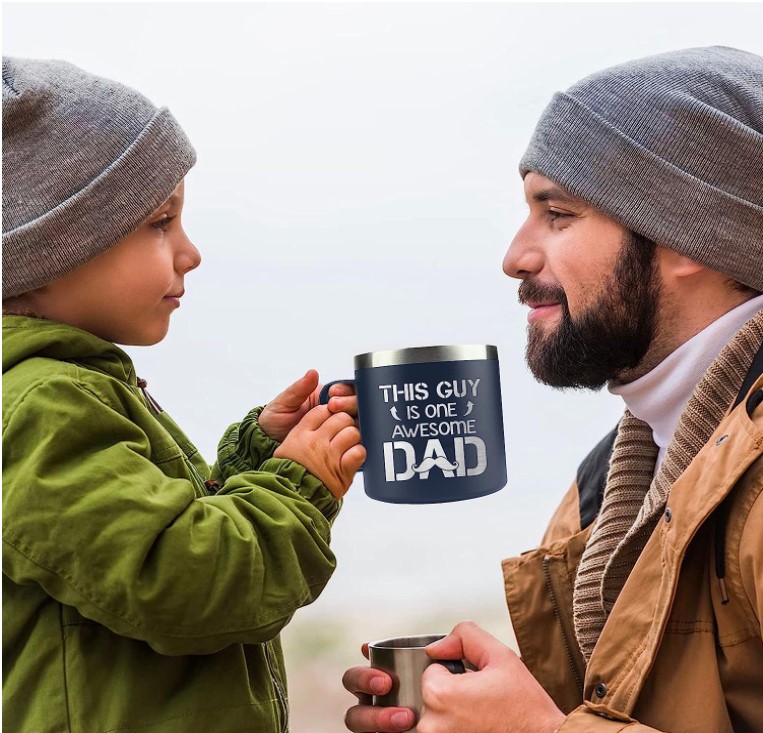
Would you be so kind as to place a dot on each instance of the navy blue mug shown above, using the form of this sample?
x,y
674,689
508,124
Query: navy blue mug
x,y
431,422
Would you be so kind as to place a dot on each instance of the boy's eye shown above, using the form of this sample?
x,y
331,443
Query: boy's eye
x,y
163,222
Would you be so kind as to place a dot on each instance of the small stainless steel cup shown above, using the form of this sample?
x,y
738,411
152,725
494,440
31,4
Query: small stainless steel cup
x,y
405,660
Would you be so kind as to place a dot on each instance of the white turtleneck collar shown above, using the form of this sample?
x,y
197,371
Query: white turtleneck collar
x,y
659,397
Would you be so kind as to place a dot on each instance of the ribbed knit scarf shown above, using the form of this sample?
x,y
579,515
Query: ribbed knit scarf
x,y
634,500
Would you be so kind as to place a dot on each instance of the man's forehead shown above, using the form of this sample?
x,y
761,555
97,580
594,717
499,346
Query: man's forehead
x,y
539,188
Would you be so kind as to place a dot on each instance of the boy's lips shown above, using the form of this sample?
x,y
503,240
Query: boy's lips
x,y
175,299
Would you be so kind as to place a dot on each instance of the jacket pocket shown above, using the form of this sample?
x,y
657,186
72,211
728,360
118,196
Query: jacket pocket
x,y
119,684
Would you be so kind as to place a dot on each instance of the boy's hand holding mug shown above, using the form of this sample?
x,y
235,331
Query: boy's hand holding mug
x,y
327,444
283,412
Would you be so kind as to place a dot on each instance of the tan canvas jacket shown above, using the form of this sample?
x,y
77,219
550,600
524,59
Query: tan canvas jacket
x,y
682,650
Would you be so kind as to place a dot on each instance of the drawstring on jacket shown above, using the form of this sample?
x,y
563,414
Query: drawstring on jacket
x,y
150,401
720,552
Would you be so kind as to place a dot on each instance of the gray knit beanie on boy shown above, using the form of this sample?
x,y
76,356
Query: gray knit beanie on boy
x,y
671,146
85,161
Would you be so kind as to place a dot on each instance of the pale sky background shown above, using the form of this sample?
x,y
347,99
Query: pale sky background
x,y
356,190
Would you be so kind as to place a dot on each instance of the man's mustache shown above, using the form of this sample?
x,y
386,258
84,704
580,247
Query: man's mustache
x,y
441,463
532,290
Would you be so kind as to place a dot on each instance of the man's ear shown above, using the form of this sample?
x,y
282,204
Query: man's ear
x,y
674,266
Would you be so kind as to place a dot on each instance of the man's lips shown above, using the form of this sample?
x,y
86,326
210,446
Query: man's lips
x,y
540,310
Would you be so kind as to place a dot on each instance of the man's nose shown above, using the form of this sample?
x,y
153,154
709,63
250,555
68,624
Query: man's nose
x,y
523,257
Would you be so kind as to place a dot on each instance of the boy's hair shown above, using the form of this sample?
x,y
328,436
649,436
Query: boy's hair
x,y
85,161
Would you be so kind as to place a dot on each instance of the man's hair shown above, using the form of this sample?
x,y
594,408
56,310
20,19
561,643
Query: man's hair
x,y
639,240
738,287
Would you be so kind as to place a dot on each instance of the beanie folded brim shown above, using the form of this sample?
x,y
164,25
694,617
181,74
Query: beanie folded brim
x,y
102,213
582,152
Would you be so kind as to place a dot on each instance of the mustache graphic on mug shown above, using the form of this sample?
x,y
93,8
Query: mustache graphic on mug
x,y
440,462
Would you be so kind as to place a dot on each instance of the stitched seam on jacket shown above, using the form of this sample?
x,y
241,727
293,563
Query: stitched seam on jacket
x,y
12,409
738,638
277,613
63,669
157,457
689,627
639,651
258,704
735,571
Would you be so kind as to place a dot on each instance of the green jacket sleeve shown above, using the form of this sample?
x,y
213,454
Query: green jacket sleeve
x,y
243,447
246,447
90,518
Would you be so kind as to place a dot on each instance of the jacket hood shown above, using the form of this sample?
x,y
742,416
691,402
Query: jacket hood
x,y
27,338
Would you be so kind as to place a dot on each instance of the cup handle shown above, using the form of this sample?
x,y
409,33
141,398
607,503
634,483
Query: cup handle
x,y
454,666
323,398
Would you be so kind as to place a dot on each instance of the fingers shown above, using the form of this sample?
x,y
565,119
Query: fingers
x,y
364,718
346,438
353,459
329,423
347,404
366,681
341,389
436,681
469,641
363,682
337,423
295,394
316,417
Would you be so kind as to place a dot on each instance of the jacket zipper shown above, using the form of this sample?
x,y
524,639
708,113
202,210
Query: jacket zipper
x,y
156,408
566,631
279,691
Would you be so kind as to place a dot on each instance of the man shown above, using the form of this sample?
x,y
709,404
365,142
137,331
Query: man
x,y
642,262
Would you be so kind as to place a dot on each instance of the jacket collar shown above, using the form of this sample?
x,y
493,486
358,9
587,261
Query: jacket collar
x,y
25,338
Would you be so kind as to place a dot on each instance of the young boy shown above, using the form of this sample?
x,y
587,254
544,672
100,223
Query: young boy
x,y
142,589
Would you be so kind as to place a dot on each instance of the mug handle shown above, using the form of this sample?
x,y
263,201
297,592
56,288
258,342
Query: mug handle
x,y
454,666
323,397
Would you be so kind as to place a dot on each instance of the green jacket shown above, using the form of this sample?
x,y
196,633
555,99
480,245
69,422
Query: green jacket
x,y
134,597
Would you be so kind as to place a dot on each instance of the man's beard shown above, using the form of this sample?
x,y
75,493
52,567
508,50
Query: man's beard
x,y
611,336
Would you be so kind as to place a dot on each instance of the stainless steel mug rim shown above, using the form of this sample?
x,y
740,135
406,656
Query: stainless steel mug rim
x,y
407,642
426,355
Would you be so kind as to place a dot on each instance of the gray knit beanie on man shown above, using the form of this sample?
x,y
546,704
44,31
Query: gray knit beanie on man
x,y
85,161
671,146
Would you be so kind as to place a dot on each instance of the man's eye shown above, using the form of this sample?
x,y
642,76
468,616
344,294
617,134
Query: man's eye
x,y
554,215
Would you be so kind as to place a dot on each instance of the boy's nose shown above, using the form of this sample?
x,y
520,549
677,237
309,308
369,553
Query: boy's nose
x,y
190,257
